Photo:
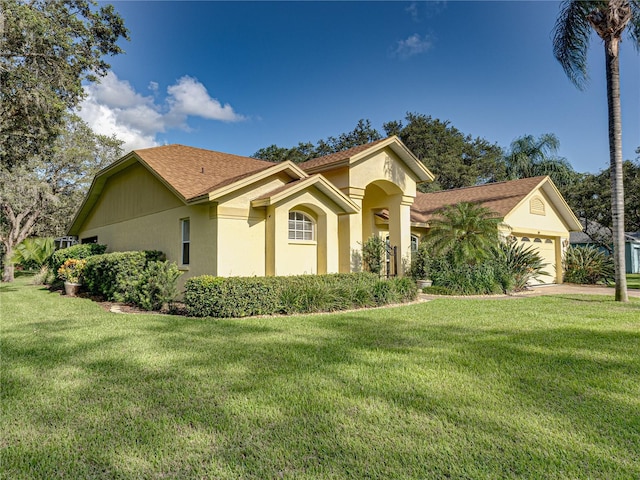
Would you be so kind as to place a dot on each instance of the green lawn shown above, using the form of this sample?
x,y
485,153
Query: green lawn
x,y
545,387
633,280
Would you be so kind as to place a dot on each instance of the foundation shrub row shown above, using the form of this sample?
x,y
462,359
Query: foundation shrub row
x,y
208,296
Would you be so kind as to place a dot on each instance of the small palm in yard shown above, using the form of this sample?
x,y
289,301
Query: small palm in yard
x,y
34,253
467,232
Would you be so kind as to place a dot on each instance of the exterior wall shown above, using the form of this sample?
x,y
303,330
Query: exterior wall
x,y
162,231
545,227
632,257
131,193
296,257
241,230
379,180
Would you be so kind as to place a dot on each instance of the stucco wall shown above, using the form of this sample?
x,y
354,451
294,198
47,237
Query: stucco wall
x,y
131,193
162,231
523,220
293,257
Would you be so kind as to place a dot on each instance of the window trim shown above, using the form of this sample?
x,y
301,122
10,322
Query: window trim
x,y
415,240
297,222
185,243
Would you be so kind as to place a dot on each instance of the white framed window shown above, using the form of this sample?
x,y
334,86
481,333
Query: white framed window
x,y
185,226
415,241
301,227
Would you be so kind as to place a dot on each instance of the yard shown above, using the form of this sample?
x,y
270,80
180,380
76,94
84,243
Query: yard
x,y
633,280
544,387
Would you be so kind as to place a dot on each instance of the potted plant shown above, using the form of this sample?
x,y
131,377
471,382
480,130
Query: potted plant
x,y
420,265
71,272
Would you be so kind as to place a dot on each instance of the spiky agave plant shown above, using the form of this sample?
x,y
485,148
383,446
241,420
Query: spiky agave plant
x,y
587,265
522,264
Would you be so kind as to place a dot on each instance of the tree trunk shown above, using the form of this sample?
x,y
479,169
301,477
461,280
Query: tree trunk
x,y
7,274
616,172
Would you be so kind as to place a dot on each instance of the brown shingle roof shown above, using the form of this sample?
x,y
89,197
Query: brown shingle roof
x,y
500,197
337,157
194,171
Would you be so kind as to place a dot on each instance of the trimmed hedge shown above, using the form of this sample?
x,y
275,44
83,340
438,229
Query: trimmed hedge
x,y
79,252
246,296
115,275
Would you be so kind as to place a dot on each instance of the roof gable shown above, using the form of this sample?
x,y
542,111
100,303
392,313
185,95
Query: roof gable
x,y
352,155
192,172
316,181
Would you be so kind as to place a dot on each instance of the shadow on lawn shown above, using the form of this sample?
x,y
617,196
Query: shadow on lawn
x,y
350,395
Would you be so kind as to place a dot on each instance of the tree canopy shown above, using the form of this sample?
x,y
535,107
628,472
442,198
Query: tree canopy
x,y
48,49
41,195
457,160
362,134
529,156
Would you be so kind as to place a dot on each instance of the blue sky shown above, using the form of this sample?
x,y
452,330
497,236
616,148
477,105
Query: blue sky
x,y
239,76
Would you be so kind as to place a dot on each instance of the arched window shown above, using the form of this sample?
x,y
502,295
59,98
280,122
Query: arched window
x,y
301,227
525,239
537,240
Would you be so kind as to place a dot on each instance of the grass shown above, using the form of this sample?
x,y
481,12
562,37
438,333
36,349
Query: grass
x,y
633,280
544,387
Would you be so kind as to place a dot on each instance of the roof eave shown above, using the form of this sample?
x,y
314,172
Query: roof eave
x,y
287,167
322,184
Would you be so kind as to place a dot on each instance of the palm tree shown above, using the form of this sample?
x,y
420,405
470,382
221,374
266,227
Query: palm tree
x,y
530,157
570,44
466,231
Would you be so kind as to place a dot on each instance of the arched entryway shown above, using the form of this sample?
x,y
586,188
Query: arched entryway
x,y
386,213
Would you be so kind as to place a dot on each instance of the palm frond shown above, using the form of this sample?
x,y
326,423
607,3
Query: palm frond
x,y
634,24
571,35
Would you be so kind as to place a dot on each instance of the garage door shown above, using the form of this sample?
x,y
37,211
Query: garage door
x,y
546,247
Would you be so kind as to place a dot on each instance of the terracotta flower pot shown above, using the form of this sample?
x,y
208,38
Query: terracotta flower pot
x,y
71,289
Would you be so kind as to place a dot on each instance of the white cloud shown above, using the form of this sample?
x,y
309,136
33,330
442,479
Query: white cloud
x,y
413,45
114,107
190,97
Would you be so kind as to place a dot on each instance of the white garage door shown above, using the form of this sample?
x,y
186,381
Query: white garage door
x,y
546,247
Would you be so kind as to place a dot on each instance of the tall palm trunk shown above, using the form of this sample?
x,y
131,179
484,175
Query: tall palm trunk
x,y
615,158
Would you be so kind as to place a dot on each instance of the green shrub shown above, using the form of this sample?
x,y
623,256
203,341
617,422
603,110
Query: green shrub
x,y
464,279
231,297
420,262
78,252
239,297
405,289
587,265
154,255
158,286
434,290
131,277
115,275
373,254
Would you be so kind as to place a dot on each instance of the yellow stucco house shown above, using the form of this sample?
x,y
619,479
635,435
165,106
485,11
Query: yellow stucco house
x,y
227,215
